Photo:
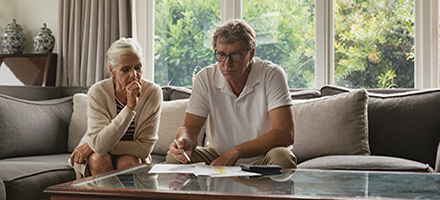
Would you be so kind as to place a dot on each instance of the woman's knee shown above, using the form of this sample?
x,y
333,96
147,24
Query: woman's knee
x,y
126,161
98,164
97,160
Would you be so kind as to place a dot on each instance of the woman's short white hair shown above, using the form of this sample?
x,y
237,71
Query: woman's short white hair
x,y
123,46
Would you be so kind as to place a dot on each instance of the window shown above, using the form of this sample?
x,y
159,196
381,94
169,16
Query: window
x,y
351,43
285,36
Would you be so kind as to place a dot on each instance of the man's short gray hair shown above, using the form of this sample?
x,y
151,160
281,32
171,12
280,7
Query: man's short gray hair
x,y
233,31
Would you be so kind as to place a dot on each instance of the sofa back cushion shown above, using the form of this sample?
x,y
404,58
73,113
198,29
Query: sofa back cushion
x,y
334,125
33,127
173,93
40,93
304,94
404,124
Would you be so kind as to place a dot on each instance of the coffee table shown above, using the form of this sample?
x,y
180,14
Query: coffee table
x,y
137,183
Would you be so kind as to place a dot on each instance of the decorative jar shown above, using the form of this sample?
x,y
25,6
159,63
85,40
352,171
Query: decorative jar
x,y
44,41
13,39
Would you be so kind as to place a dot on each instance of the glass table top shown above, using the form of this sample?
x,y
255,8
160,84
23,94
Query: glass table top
x,y
299,183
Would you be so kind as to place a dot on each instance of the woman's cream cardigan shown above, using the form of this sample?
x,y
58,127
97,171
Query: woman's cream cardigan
x,y
106,127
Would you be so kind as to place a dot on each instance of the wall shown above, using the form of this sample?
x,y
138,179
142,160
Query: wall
x,y
30,15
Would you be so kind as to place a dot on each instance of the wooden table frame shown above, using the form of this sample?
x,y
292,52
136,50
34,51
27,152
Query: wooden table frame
x,y
46,64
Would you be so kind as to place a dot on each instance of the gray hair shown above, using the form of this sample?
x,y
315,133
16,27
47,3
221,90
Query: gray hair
x,y
120,47
233,31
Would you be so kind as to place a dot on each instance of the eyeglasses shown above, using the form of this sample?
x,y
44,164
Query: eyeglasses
x,y
235,57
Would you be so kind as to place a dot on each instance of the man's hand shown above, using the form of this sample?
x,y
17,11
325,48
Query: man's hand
x,y
179,181
229,158
176,150
80,154
133,91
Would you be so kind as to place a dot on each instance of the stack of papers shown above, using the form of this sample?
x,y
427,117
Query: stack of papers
x,y
200,169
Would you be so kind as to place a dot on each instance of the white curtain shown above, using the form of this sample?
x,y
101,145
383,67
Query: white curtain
x,y
87,28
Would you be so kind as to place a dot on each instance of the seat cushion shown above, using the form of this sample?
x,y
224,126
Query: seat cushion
x,y
27,177
33,127
331,126
369,163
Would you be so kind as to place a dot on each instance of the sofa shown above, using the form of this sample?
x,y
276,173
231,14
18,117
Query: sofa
x,y
335,128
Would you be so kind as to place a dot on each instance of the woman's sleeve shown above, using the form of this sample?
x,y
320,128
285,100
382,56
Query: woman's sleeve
x,y
147,127
103,131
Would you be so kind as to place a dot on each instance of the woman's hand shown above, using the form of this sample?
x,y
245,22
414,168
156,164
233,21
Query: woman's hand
x,y
80,154
133,91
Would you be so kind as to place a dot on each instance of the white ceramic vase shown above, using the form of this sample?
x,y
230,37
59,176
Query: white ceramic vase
x,y
44,41
13,39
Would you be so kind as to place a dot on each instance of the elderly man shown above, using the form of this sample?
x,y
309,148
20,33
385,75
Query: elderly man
x,y
247,103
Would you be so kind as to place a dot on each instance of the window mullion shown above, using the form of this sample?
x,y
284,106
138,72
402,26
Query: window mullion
x,y
144,12
230,9
426,72
324,46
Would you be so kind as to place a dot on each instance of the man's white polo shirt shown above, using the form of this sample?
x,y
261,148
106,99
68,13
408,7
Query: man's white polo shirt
x,y
234,120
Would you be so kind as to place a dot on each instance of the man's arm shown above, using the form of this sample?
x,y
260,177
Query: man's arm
x,y
186,137
282,134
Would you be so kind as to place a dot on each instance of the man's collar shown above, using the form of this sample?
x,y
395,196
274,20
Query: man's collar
x,y
253,79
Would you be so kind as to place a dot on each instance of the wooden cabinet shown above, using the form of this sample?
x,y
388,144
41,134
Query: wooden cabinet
x,y
28,69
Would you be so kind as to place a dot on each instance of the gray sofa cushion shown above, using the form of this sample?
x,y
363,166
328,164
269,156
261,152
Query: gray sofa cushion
x,y
53,158
305,94
174,93
33,127
404,125
33,178
335,125
40,93
374,163
180,93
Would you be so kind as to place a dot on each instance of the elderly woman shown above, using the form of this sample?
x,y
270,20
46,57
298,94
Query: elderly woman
x,y
123,115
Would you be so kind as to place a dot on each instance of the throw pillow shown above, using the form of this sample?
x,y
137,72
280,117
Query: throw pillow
x,y
171,119
335,125
33,127
403,124
78,122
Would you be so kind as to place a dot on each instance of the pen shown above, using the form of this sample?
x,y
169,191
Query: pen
x,y
186,182
184,153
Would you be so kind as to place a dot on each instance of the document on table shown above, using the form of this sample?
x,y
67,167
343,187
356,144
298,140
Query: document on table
x,y
200,169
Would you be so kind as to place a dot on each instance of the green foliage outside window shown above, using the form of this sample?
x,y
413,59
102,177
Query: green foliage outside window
x,y
374,40
183,31
374,43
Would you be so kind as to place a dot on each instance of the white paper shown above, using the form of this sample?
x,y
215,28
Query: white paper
x,y
200,169
172,168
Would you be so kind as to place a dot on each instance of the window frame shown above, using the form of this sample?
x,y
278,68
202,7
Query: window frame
x,y
426,72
